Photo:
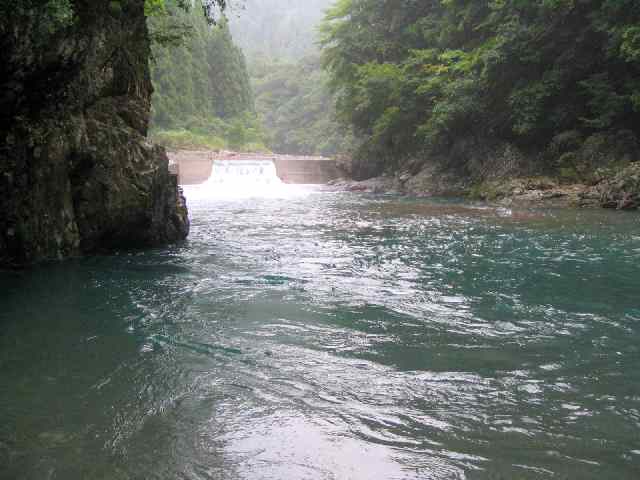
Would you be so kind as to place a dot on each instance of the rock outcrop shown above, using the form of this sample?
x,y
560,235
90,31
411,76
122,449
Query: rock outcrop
x,y
601,170
623,190
618,189
77,173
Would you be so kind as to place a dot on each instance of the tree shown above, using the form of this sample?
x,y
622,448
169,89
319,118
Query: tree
x,y
415,77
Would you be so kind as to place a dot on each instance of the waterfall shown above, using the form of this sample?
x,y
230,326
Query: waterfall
x,y
243,173
242,178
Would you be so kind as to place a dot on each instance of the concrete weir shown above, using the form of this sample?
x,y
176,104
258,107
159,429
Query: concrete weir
x,y
194,167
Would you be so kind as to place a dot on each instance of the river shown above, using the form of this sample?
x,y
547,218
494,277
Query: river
x,y
319,335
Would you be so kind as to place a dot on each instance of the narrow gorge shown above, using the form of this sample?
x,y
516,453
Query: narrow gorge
x,y
386,271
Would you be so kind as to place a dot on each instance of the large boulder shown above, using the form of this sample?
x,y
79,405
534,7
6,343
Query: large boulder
x,y
77,173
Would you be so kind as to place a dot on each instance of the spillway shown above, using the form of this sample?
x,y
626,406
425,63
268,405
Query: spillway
x,y
195,167
229,173
250,178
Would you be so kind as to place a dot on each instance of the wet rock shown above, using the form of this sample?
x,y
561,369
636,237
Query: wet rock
x,y
380,185
601,170
77,172
433,180
588,197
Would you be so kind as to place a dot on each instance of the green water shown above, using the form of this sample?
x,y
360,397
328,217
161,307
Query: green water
x,y
332,336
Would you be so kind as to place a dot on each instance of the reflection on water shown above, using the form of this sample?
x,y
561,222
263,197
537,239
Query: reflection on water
x,y
310,335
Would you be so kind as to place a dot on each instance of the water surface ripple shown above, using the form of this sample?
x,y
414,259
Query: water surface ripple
x,y
332,336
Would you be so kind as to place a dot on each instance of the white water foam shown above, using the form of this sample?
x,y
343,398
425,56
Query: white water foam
x,y
244,179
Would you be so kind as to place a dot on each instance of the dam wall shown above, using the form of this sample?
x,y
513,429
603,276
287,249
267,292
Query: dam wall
x,y
306,170
194,167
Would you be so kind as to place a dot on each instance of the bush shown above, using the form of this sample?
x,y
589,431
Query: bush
x,y
184,139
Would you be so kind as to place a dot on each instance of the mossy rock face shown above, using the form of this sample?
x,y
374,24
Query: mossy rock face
x,y
433,180
488,191
622,191
77,174
510,187
594,159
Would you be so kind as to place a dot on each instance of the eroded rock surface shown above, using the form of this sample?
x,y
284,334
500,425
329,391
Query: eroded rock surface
x,y
623,190
77,173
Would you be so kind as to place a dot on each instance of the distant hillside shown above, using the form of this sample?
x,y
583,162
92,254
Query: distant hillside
x,y
281,29
205,77
296,107
292,99
202,93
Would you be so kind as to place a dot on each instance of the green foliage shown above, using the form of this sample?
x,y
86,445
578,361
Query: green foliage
x,y
241,133
202,92
169,26
60,13
292,97
185,139
237,135
605,103
154,8
630,47
210,8
296,107
413,77
46,17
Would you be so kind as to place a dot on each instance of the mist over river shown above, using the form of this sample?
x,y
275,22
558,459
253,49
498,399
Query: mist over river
x,y
306,334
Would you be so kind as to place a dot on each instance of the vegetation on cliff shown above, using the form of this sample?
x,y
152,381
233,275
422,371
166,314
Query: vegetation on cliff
x,y
486,88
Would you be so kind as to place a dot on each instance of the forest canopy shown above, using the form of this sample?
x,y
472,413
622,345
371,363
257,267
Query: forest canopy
x,y
414,78
202,92
293,101
296,107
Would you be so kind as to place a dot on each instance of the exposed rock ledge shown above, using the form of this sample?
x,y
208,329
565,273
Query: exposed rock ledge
x,y
77,173
620,190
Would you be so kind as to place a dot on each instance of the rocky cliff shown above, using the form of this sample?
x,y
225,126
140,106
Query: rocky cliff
x,y
77,174
601,170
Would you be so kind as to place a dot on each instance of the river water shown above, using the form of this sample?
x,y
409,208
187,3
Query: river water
x,y
316,335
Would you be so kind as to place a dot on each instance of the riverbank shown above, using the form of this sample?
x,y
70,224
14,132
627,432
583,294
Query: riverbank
x,y
614,189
